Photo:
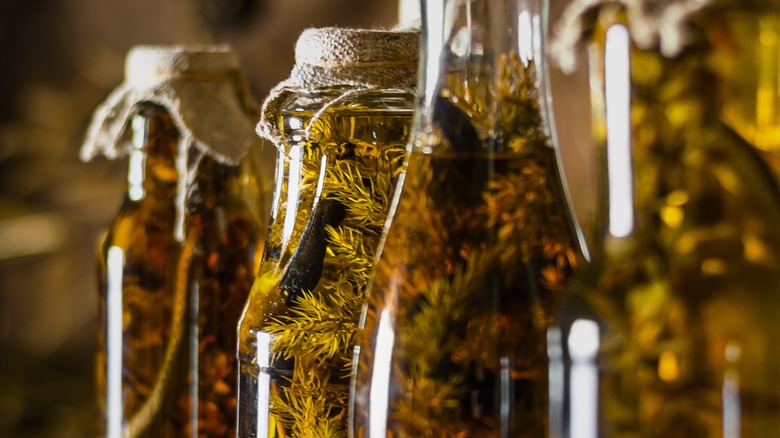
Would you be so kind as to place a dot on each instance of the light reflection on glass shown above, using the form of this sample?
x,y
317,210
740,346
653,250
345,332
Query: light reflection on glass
x,y
732,406
556,385
263,383
278,180
115,262
507,395
525,41
434,41
380,379
292,194
583,343
137,162
617,71
320,180
295,123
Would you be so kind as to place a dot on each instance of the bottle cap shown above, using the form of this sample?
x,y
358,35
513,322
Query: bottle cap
x,y
203,89
339,47
148,64
354,59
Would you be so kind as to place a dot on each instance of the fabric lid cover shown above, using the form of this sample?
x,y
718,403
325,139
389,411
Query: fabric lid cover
x,y
203,89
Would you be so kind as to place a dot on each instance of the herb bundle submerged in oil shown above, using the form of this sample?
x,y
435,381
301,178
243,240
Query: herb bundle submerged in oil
x,y
178,373
475,260
307,299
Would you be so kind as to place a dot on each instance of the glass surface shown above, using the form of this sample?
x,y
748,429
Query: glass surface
x,y
672,330
335,180
479,247
168,309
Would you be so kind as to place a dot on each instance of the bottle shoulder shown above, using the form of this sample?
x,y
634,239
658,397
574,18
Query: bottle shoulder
x,y
348,99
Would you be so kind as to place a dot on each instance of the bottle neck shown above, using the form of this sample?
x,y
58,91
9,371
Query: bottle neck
x,y
476,56
217,184
152,176
455,70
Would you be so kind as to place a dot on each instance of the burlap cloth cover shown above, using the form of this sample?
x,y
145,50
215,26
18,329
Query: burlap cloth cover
x,y
203,89
652,22
356,59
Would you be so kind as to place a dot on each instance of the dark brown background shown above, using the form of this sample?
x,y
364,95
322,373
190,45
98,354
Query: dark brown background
x,y
58,59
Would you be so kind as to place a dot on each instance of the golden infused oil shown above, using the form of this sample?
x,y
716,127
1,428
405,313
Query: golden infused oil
x,y
335,180
475,263
682,293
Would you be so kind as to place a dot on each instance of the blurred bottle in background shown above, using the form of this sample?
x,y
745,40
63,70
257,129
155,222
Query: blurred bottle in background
x,y
671,331
177,262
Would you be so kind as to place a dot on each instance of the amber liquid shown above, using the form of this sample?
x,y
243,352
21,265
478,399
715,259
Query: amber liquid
x,y
298,329
687,300
474,264
169,309
475,260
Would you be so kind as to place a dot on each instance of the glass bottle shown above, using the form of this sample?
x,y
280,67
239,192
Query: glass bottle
x,y
671,331
340,153
479,246
175,269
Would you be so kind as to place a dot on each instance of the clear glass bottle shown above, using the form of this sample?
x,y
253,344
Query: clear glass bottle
x,y
480,244
341,152
671,331
170,302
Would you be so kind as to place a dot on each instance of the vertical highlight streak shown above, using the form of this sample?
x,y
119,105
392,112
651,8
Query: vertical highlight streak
x,y
115,270
380,377
278,179
137,165
293,183
617,81
732,405
507,395
525,38
584,344
263,383
433,14
732,410
556,385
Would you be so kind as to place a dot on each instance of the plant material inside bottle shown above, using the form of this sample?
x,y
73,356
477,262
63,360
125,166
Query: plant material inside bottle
x,y
688,297
177,303
475,261
298,330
